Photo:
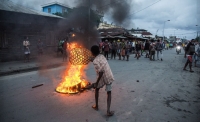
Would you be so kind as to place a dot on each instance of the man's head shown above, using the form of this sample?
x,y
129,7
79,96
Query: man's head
x,y
192,41
95,50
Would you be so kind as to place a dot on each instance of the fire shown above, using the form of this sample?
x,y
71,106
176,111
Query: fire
x,y
73,81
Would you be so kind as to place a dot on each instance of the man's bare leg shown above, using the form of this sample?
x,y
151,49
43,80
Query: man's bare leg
x,y
185,65
190,65
96,107
109,113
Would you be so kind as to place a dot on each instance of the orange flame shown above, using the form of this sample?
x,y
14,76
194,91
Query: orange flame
x,y
73,80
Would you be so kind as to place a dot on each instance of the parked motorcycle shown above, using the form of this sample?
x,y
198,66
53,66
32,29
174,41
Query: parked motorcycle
x,y
178,49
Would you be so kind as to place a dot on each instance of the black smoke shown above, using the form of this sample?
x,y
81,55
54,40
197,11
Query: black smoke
x,y
85,18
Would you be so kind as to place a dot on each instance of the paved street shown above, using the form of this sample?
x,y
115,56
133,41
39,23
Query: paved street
x,y
143,91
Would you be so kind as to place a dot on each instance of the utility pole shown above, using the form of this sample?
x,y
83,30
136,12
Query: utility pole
x,y
89,22
164,29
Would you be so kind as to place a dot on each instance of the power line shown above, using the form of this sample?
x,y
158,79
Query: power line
x,y
186,33
145,7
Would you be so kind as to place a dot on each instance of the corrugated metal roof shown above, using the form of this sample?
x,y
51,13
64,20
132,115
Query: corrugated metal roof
x,y
53,3
8,5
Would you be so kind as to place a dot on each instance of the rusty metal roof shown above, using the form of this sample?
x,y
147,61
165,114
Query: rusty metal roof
x,y
8,5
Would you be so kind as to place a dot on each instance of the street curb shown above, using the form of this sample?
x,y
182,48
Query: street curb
x,y
29,69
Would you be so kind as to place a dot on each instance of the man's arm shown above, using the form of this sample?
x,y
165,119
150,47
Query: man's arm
x,y
98,79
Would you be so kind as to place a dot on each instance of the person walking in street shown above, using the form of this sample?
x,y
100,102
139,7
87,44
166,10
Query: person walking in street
x,y
189,52
159,48
106,49
105,77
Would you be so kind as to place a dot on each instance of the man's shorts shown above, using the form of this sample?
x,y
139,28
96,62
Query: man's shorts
x,y
108,87
189,59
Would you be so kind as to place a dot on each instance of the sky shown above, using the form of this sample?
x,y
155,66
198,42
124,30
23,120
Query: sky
x,y
151,15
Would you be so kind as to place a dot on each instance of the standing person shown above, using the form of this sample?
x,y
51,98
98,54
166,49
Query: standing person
x,y
119,49
197,54
128,48
123,52
40,47
26,44
106,49
65,47
189,52
152,52
133,47
60,49
159,48
146,48
101,47
142,48
163,45
138,48
113,49
167,45
105,77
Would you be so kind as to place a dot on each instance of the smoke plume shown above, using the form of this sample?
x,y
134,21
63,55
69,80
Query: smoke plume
x,y
84,23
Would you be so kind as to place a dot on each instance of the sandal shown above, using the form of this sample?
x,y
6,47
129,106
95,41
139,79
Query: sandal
x,y
111,113
95,108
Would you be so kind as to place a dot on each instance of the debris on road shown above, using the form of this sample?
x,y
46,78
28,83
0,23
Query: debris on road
x,y
37,86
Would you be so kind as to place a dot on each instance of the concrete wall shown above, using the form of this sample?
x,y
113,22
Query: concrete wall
x,y
15,49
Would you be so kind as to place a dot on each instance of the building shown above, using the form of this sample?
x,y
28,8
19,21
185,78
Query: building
x,y
137,31
172,38
17,23
141,33
56,7
105,25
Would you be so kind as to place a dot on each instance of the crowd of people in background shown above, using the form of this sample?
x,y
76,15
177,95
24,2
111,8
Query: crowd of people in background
x,y
150,49
123,49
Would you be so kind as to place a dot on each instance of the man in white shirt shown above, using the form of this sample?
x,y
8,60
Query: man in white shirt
x,y
104,77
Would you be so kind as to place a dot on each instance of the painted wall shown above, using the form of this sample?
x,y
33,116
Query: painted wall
x,y
55,8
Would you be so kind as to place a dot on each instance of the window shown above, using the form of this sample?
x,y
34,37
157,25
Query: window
x,y
64,10
49,10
